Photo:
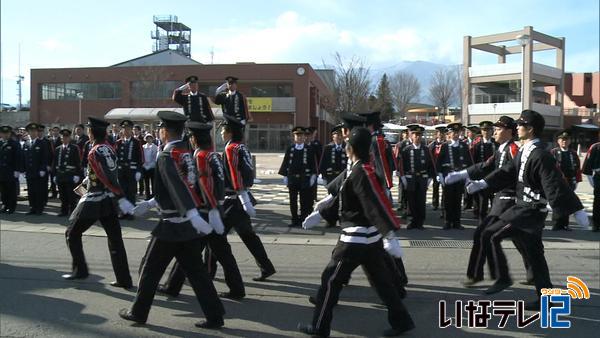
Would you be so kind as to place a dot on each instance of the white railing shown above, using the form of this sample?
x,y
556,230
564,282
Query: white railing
x,y
513,68
511,108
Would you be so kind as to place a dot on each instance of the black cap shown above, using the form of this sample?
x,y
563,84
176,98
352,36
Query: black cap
x,y
198,127
352,120
533,119
232,121
298,130
32,126
6,129
171,118
55,127
65,132
231,79
148,135
126,123
360,140
441,129
455,126
373,118
79,126
474,128
506,122
191,79
311,129
95,122
564,134
336,129
137,126
415,128
486,124
41,127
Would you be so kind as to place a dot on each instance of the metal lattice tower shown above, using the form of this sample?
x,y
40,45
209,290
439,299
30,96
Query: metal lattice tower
x,y
171,34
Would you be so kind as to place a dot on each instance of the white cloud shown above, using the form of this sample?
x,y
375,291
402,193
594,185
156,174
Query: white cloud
x,y
53,44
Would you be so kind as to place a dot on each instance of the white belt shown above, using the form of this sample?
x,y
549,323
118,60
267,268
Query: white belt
x,y
507,198
176,219
359,239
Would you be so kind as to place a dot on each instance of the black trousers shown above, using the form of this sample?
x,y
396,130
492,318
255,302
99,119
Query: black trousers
x,y
235,217
218,247
403,198
68,199
8,192
483,204
53,186
530,243
306,202
435,198
417,193
479,255
118,254
452,197
562,222
149,183
189,255
345,258
37,193
128,183
468,199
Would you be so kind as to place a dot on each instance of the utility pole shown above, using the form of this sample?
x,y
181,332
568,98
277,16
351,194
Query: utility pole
x,y
20,79
212,54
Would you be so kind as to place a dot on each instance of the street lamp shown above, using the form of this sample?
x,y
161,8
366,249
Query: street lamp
x,y
523,40
79,97
438,112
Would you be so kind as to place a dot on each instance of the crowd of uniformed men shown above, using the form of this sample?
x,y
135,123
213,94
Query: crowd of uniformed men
x,y
201,195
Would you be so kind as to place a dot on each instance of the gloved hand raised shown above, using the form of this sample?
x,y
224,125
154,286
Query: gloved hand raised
x,y
475,186
456,176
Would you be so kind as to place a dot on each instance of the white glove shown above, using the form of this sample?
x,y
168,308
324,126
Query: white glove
x,y
392,246
125,206
476,186
85,180
575,187
321,181
215,221
313,180
184,86
221,88
75,179
54,179
591,180
429,180
198,222
138,175
313,219
243,122
143,207
16,174
285,180
456,176
404,181
440,179
247,204
396,173
582,218
42,173
324,203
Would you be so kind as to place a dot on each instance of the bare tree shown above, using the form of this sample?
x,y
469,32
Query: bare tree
x,y
444,83
352,85
405,88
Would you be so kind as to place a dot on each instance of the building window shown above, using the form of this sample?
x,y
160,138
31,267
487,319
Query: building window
x,y
153,90
90,90
271,90
269,137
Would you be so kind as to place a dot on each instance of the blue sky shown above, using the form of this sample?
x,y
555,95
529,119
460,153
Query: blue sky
x,y
384,33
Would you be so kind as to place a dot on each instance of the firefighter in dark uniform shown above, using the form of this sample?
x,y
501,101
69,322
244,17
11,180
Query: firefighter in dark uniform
x,y
238,204
180,231
11,161
84,152
454,155
482,150
538,182
130,157
195,104
368,223
313,141
80,137
67,172
416,174
591,168
55,141
471,138
402,195
383,159
36,154
434,147
42,136
505,129
232,102
568,162
97,203
299,171
334,158
210,188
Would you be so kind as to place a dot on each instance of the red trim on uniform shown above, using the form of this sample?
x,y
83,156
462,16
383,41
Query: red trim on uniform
x,y
386,168
97,168
176,155
378,190
206,178
232,150
514,149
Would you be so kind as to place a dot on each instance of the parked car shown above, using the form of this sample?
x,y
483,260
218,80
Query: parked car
x,y
8,107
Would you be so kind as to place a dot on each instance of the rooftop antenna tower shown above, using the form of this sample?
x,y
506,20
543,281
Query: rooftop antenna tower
x,y
20,79
169,33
